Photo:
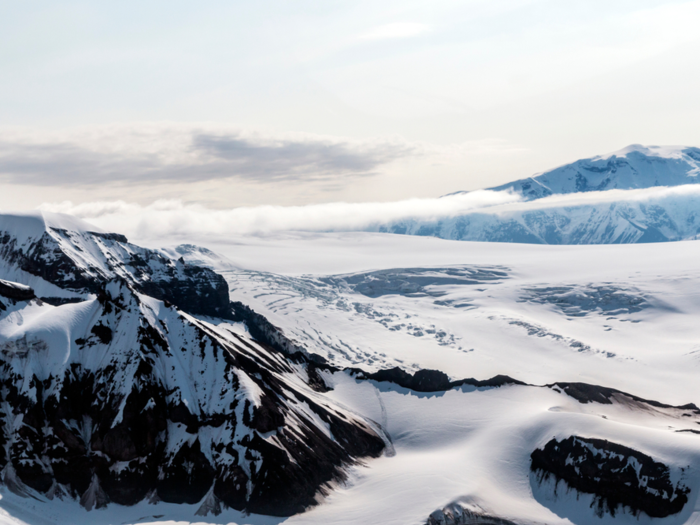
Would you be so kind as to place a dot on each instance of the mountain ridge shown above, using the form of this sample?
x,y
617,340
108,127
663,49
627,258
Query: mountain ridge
x,y
632,167
655,217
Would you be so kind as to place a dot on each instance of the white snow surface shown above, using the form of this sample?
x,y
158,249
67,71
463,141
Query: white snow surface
x,y
621,316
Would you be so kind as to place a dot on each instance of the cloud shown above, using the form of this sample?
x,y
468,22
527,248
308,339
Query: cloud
x,y
596,198
172,220
396,30
188,154
288,158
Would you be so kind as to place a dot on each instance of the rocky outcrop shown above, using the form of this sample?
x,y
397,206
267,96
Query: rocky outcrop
x,y
427,380
265,332
84,261
585,393
459,514
16,291
616,475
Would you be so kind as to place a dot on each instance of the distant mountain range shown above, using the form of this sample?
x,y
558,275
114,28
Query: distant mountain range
x,y
617,219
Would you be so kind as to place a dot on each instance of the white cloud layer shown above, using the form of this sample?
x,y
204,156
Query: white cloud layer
x,y
174,220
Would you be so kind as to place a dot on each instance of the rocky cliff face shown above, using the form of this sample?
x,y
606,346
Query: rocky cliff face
x,y
83,261
140,384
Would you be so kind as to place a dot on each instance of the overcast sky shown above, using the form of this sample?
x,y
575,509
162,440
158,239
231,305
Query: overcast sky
x,y
230,103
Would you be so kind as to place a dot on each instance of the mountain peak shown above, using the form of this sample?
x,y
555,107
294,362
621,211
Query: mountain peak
x,y
36,222
633,167
669,152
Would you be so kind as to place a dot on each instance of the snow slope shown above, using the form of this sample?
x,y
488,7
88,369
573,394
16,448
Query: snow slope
x,y
601,314
635,166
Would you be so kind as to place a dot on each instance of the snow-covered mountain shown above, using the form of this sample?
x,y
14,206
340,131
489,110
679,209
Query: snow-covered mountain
x,y
126,375
604,218
633,167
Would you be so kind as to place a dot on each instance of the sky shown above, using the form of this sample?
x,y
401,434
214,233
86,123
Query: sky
x,y
223,104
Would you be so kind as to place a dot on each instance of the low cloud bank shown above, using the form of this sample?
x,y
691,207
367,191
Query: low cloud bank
x,y
597,198
173,219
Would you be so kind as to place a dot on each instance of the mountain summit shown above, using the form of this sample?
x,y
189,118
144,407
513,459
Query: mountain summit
x,y
633,167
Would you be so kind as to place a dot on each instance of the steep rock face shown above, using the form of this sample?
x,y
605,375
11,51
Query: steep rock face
x,y
16,291
121,396
585,393
149,401
617,475
11,293
82,261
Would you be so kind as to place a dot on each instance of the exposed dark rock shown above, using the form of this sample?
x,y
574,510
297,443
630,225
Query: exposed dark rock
x,y
117,237
231,489
315,380
431,380
458,514
195,290
615,474
16,291
266,417
585,393
103,333
105,442
170,410
265,332
421,381
58,301
45,258
187,478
